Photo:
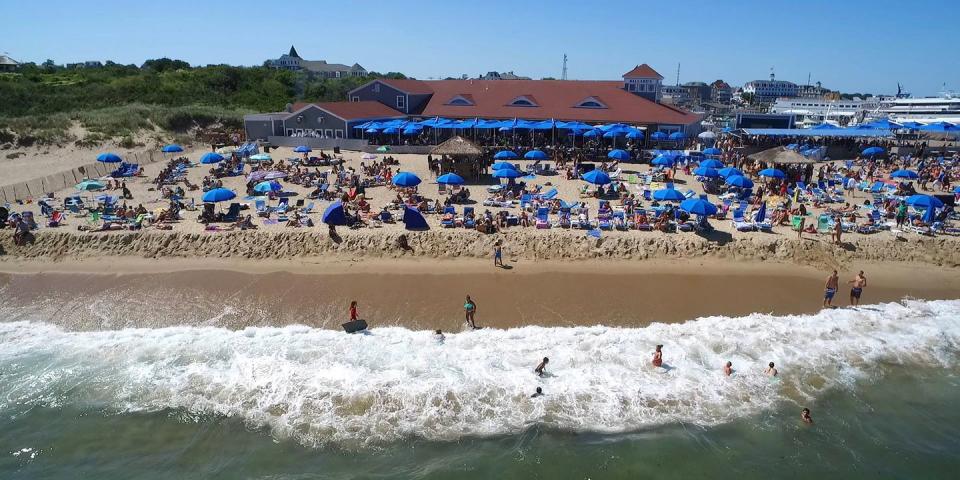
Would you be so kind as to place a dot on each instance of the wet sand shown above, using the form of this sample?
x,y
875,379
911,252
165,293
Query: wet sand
x,y
429,294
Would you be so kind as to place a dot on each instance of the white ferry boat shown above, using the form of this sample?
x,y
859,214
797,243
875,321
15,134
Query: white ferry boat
x,y
945,108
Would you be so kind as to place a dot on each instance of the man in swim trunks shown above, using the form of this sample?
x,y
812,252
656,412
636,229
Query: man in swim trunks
x,y
856,288
830,289
540,368
470,308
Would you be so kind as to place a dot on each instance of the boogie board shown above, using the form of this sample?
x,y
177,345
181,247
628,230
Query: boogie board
x,y
354,326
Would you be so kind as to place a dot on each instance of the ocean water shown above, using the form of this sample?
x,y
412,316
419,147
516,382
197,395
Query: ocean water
x,y
883,382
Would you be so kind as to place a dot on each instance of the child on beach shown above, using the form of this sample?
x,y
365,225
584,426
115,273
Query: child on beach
x,y
658,356
470,308
540,368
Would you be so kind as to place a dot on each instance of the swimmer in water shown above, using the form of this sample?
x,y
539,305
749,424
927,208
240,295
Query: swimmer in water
x,y
658,356
805,416
771,370
543,365
728,369
438,336
538,393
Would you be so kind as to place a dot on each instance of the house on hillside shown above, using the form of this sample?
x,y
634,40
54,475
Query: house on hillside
x,y
293,61
8,64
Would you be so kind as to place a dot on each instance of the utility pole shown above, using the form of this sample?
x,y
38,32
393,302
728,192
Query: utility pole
x,y
678,74
563,75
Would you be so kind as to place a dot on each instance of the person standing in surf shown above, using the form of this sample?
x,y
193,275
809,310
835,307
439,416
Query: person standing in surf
x,y
470,308
658,356
830,289
805,416
353,310
856,288
772,370
541,369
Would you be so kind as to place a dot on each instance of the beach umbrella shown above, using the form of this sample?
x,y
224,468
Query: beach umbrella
x,y
711,163
371,130
698,206
871,151
761,213
663,161
502,165
218,195
302,149
596,177
658,136
384,148
334,214
211,157
109,157
712,151
739,181
268,186
635,134
507,173
677,136
619,154
668,194
708,135
924,201
772,173
172,148
450,179
412,130
727,172
706,172
260,157
505,155
535,155
909,174
90,186
391,131
406,179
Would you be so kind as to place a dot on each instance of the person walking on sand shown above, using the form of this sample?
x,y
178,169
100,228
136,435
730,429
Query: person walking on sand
x,y
856,288
470,308
830,289
658,356
497,254
540,370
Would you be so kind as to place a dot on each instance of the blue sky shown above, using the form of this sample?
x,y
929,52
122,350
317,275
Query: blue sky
x,y
850,45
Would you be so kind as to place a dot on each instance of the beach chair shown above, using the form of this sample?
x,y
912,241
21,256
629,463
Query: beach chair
x,y
689,194
824,224
309,208
740,223
469,219
449,217
543,220
233,213
620,220
261,207
283,205
550,195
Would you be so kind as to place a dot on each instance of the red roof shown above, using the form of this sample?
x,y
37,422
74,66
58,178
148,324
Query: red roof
x,y
643,71
556,99
355,110
408,86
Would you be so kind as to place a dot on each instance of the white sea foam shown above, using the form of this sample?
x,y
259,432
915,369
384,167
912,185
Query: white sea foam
x,y
321,386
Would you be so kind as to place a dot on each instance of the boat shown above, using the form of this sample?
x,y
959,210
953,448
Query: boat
x,y
943,108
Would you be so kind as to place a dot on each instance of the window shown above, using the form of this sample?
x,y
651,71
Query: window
x,y
337,73
328,134
376,87
320,119
591,102
460,100
401,102
523,101
355,98
338,133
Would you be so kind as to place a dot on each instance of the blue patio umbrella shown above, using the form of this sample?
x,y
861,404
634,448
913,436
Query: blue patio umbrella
x,y
535,155
663,161
450,179
391,130
909,174
739,181
706,172
505,155
658,136
302,149
871,151
507,173
712,151
727,172
711,163
503,165
268,186
406,179
211,157
334,214
677,136
596,177
218,195
761,213
698,206
924,201
619,154
635,134
109,157
668,194
940,127
372,130
593,133
772,173
412,130
613,134
172,148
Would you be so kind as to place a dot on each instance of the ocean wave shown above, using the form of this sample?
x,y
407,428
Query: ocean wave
x,y
323,387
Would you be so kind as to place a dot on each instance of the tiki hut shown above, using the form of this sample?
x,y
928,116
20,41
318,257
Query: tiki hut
x,y
781,156
461,156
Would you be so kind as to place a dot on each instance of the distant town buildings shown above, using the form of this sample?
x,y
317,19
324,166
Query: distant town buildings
x,y
721,92
766,91
87,64
698,92
643,81
813,91
674,95
501,76
8,64
293,61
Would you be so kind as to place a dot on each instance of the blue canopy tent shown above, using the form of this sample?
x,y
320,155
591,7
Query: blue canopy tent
x,y
825,126
668,195
109,157
618,154
940,127
334,214
885,124
596,177
450,179
727,172
413,220
218,195
406,179
739,181
824,133
211,157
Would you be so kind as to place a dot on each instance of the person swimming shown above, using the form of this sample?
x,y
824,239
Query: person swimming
x,y
771,370
728,369
805,416
658,356
438,336
540,368
538,393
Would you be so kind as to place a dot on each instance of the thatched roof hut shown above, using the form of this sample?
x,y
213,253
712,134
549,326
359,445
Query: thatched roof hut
x,y
457,147
780,156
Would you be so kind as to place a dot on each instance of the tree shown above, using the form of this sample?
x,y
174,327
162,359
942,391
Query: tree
x,y
48,65
165,64
747,97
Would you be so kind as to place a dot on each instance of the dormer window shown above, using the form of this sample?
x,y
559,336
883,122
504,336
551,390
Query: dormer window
x,y
523,101
461,101
591,102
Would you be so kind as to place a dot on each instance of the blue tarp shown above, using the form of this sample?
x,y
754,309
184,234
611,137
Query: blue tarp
x,y
804,132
